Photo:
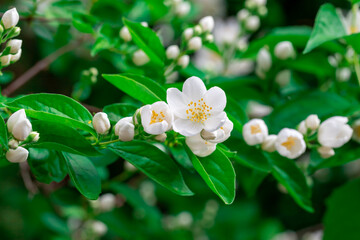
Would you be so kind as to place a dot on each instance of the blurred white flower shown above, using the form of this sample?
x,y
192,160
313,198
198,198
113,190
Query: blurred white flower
x,y
188,33
184,220
125,34
15,45
172,52
284,50
243,14
107,202
211,7
356,131
99,228
347,22
156,118
302,127
312,122
124,129
326,152
10,18
343,74
208,61
196,108
195,43
13,143
269,143
255,132
199,146
5,60
334,132
283,77
263,59
207,23
226,31
288,235
317,235
183,61
182,9
101,123
15,57
290,143
140,58
17,155
161,137
252,23
257,110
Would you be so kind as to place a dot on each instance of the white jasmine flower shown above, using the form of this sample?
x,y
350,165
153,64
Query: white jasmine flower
x,y
199,146
348,22
356,131
343,74
326,152
10,18
258,110
17,155
22,129
226,32
15,45
101,123
172,52
312,122
182,9
195,43
263,59
220,135
124,129
156,118
290,143
125,34
188,33
15,118
252,23
334,132
140,58
207,23
283,77
284,50
183,61
269,143
243,14
197,108
5,60
255,132
15,57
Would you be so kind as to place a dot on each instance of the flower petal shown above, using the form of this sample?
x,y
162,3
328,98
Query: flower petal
x,y
186,127
215,122
156,128
194,88
216,99
177,102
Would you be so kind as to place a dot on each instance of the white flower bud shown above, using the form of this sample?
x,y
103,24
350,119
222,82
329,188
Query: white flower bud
x,y
15,57
10,18
207,23
13,143
161,137
125,34
195,43
343,74
260,3
242,44
198,29
312,122
15,45
263,59
199,146
284,50
326,152
252,23
263,11
107,202
125,129
290,143
129,167
302,128
182,9
5,60
334,132
356,131
283,77
183,61
188,33
22,129
209,38
269,143
99,228
144,24
17,155
258,110
255,132
140,58
14,118
243,14
172,52
35,136
101,123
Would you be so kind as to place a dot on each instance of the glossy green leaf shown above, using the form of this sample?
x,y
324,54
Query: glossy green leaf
x,y
154,163
84,175
342,218
146,39
236,114
3,135
291,177
218,173
55,108
60,137
328,26
83,22
141,88
250,179
119,110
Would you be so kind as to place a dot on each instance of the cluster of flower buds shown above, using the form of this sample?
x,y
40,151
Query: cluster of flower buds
x,y
283,51
342,65
196,113
180,8
249,17
20,129
332,133
8,30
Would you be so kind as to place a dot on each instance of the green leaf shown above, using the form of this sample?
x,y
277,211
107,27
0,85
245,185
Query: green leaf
x,y
292,178
342,218
328,26
179,154
154,163
55,223
119,110
218,173
146,39
55,108
141,88
84,175
250,179
60,137
3,135
83,22
236,114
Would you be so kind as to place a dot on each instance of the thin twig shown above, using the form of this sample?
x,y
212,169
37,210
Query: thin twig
x,y
28,182
38,67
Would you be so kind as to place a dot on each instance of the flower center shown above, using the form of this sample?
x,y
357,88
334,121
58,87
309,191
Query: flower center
x,y
155,118
289,143
255,129
353,29
198,111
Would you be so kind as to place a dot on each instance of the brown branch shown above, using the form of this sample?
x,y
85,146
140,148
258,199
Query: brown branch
x,y
38,67
28,182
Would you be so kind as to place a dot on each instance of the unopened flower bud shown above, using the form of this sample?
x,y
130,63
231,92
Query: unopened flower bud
x,y
5,60
161,137
243,14
14,118
22,129
269,143
284,50
255,132
343,74
172,52
252,23
124,128
144,24
195,43
15,45
17,155
209,38
206,135
125,34
34,136
283,77
188,33
140,58
183,61
326,152
15,57
99,228
262,11
334,132
263,59
182,9
198,29
312,122
10,18
107,202
101,123
302,128
13,143
207,23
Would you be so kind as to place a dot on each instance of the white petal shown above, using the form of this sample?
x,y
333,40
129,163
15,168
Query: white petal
x,y
177,102
214,122
156,128
216,99
186,127
194,88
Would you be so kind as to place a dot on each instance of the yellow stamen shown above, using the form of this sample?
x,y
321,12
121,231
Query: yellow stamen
x,y
289,143
255,129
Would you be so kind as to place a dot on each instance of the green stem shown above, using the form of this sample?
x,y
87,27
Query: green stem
x,y
106,143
